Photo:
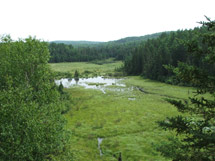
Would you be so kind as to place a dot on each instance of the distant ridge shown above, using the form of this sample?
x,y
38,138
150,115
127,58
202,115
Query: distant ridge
x,y
138,38
120,41
76,42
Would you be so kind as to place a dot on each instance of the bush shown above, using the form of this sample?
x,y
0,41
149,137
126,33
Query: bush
x,y
31,124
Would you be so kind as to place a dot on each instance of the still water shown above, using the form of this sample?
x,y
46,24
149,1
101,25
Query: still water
x,y
94,83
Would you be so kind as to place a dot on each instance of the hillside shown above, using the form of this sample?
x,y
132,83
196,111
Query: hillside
x,y
76,51
138,38
76,43
120,41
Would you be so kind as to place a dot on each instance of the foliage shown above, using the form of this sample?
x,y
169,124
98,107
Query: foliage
x,y
150,57
76,75
63,51
195,127
58,75
104,61
31,124
85,69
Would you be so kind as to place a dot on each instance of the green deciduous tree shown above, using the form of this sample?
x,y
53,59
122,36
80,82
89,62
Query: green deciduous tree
x,y
195,127
31,123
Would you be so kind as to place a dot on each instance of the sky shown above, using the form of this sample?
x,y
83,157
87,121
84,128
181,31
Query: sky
x,y
99,20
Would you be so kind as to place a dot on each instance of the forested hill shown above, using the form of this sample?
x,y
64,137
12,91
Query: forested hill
x,y
120,41
76,51
137,38
155,58
76,43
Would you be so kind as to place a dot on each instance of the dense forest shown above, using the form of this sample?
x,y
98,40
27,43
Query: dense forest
x,y
155,58
77,51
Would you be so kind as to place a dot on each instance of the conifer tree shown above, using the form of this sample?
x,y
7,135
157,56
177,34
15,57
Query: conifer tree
x,y
195,126
76,75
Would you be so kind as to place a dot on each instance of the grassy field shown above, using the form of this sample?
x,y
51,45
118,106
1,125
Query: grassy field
x,y
86,69
125,117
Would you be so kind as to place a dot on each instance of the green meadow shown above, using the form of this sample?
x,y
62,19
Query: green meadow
x,y
87,69
124,117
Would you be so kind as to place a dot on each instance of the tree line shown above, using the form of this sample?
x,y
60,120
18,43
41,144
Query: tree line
x,y
74,52
61,52
153,58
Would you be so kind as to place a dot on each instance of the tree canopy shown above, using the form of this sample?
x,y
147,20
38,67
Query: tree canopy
x,y
31,124
150,59
195,126
77,51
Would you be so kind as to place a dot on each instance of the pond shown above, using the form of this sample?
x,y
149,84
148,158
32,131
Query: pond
x,y
94,83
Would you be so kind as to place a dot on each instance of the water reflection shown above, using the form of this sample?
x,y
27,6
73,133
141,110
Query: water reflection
x,y
93,83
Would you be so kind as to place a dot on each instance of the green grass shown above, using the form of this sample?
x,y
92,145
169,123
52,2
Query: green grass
x,y
86,69
127,126
162,89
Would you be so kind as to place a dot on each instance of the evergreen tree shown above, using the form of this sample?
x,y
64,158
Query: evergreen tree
x,y
195,126
76,75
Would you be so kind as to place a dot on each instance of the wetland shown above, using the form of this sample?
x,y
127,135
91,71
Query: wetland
x,y
112,117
